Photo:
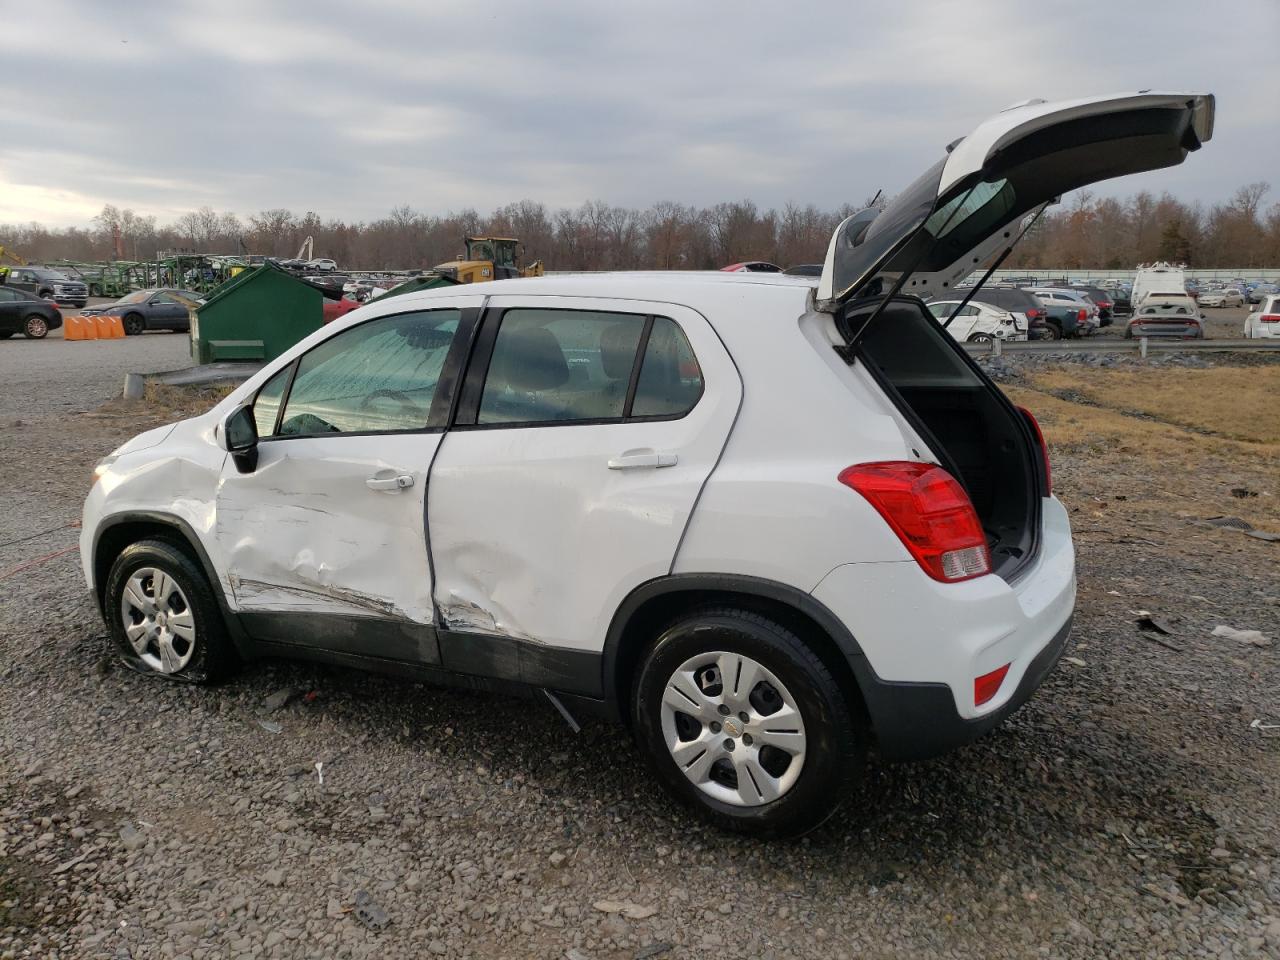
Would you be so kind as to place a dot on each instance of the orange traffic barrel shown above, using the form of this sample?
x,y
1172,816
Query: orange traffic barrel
x,y
117,327
103,325
72,328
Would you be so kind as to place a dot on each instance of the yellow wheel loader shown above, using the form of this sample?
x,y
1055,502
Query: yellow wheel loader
x,y
488,258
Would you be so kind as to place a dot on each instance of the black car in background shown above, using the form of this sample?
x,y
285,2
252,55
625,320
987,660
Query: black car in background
x,y
145,310
23,312
49,284
1104,299
1015,300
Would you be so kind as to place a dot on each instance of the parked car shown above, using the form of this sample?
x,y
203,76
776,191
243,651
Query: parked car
x,y
978,322
1025,307
23,312
1065,321
49,285
752,266
1074,300
1224,297
1262,291
1166,317
1263,321
1100,298
144,310
591,528
321,265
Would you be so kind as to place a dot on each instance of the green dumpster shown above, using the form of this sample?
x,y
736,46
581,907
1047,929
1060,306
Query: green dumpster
x,y
256,315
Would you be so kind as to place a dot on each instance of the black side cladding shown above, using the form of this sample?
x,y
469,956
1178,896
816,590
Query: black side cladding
x,y
969,424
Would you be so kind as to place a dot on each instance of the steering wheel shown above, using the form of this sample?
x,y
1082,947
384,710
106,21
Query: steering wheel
x,y
408,408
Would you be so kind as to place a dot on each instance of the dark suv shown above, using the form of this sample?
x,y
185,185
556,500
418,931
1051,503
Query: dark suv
x,y
1019,301
49,284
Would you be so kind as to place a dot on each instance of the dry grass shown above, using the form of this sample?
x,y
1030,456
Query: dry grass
x,y
1165,439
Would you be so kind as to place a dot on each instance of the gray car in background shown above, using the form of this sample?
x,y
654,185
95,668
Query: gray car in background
x,y
145,310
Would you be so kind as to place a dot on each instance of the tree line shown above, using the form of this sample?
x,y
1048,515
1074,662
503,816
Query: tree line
x,y
1087,232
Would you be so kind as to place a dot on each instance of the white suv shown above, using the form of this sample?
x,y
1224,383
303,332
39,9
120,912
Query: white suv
x,y
765,525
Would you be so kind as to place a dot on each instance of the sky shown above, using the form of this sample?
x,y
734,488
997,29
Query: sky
x,y
350,109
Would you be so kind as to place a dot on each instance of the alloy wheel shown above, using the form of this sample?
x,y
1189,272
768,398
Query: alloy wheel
x,y
733,728
37,327
157,620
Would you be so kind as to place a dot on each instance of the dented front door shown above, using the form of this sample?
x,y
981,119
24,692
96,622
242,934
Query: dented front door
x,y
325,540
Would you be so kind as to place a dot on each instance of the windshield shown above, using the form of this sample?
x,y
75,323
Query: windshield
x,y
138,296
49,275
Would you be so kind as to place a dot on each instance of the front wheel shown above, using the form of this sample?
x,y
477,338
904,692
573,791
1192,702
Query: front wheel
x,y
163,616
742,721
134,325
35,327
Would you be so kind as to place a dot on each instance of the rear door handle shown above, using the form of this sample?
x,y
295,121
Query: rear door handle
x,y
402,482
642,459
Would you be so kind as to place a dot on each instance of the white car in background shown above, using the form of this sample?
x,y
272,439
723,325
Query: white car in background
x,y
978,322
765,525
1228,297
1263,322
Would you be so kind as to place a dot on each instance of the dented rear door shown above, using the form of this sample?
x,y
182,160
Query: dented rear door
x,y
548,504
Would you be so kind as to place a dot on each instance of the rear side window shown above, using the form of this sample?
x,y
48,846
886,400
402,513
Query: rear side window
x,y
670,379
560,365
573,366
377,377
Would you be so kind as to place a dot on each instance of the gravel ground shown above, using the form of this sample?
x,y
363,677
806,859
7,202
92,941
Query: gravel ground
x,y
1129,810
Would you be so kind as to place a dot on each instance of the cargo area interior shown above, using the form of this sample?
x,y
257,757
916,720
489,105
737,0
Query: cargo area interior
x,y
975,432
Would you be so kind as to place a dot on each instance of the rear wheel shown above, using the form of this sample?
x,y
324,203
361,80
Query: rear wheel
x,y
1053,331
134,324
981,338
163,616
742,721
35,327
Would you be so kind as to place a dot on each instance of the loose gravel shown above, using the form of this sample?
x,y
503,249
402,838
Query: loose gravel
x,y
1130,809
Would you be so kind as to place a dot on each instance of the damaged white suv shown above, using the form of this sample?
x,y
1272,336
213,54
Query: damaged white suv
x,y
765,525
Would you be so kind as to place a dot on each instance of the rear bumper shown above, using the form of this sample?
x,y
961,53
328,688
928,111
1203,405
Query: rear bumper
x,y
923,643
1177,331
916,721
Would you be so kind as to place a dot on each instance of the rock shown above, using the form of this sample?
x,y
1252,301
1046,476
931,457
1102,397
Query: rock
x,y
274,877
131,838
557,858
278,699
632,911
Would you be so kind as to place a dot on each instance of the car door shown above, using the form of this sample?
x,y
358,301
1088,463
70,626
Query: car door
x,y
165,312
583,436
22,280
324,540
10,311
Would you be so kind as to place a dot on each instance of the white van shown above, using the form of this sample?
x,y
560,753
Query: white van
x,y
1159,280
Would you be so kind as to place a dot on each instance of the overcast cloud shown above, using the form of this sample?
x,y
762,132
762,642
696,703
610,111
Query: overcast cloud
x,y
352,108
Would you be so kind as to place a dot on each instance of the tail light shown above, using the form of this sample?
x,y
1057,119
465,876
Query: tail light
x,y
1082,316
931,514
1032,313
1270,318
988,685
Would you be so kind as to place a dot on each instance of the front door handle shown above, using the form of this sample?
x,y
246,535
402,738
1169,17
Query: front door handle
x,y
642,459
393,484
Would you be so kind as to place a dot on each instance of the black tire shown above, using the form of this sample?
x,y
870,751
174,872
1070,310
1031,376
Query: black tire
x,y
5,336
134,325
981,338
835,751
35,327
1054,329
214,654
79,304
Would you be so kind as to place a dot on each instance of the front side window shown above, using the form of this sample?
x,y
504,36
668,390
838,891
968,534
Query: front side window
x,y
267,404
560,365
377,377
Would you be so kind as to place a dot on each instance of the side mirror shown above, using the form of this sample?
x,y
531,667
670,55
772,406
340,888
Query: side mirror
x,y
240,438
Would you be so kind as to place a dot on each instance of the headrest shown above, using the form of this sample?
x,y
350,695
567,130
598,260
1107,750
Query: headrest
x,y
529,358
618,349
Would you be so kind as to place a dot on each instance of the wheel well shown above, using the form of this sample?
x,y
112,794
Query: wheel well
x,y
115,539
648,620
